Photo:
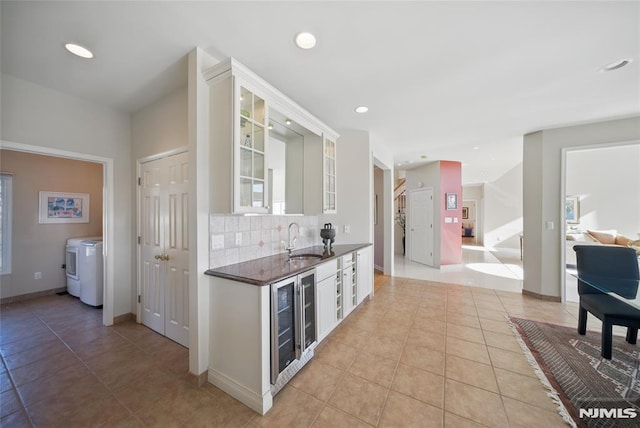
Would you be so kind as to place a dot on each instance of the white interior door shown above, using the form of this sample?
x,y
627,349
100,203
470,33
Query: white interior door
x,y
421,226
164,252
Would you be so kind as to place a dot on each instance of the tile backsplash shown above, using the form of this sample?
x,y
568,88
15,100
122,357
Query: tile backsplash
x,y
237,239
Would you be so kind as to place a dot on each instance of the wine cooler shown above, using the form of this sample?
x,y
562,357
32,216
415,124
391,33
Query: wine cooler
x,y
293,326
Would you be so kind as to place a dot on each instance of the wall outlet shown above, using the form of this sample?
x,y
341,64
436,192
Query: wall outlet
x,y
37,275
238,238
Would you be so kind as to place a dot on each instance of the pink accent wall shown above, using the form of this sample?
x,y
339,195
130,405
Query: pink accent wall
x,y
450,235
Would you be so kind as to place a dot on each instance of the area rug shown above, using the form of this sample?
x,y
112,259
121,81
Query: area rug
x,y
593,391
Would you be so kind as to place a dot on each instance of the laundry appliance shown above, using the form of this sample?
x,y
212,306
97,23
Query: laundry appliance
x,y
90,272
72,249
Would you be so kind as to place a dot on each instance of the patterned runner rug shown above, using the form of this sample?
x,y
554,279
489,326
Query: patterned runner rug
x,y
595,392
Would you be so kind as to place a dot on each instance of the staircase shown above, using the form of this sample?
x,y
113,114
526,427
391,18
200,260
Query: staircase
x,y
400,196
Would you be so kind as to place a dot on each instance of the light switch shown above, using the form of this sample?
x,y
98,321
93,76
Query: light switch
x,y
455,219
549,225
448,219
238,238
347,229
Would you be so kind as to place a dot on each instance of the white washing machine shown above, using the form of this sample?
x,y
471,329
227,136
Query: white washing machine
x,y
90,271
72,248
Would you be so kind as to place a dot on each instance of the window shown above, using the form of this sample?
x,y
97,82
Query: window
x,y
6,181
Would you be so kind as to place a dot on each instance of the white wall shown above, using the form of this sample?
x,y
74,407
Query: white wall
x,y
503,210
199,208
607,180
544,194
38,116
159,127
355,187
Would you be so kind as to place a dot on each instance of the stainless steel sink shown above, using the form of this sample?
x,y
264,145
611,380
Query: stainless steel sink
x,y
305,257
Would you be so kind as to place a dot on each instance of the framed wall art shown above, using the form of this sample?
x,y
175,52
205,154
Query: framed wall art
x,y
452,201
572,209
465,213
63,207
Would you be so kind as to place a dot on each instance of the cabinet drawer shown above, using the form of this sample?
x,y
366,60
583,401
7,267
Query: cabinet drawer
x,y
326,270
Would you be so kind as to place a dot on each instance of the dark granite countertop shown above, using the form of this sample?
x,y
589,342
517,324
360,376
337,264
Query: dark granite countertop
x,y
267,270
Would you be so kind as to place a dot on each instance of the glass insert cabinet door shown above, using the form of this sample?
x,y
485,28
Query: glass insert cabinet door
x,y
329,185
251,175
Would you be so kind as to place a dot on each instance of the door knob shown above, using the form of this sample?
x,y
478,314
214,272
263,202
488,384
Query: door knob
x,y
163,257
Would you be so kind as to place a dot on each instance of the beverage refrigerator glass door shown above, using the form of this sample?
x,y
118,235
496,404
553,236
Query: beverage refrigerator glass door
x,y
308,313
293,327
283,326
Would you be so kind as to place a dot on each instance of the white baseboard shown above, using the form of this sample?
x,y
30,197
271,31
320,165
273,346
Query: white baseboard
x,y
259,403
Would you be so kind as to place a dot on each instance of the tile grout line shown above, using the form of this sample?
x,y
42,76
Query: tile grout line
x,y
335,388
94,374
395,371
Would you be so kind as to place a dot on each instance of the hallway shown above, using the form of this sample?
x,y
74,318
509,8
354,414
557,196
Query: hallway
x,y
497,269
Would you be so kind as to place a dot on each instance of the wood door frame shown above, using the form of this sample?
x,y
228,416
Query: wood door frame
x,y
139,162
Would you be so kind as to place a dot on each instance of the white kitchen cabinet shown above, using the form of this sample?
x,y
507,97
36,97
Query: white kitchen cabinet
x,y
329,186
364,274
320,191
239,147
349,284
326,298
241,104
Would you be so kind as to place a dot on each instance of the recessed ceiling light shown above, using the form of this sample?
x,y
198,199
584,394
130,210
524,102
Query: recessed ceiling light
x,y
475,147
305,40
424,156
78,50
362,109
271,126
288,121
616,65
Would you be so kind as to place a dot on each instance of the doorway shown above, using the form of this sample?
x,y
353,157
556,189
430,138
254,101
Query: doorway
x,y
469,223
163,261
420,221
383,217
108,213
597,202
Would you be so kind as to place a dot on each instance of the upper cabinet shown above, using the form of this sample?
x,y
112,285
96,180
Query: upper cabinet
x,y
252,191
268,154
329,192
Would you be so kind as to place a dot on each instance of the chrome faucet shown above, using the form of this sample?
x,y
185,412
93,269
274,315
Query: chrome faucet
x,y
292,243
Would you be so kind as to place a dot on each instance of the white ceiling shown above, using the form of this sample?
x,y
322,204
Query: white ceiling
x,y
439,78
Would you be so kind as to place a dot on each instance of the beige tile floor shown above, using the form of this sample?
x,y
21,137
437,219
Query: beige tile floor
x,y
419,354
